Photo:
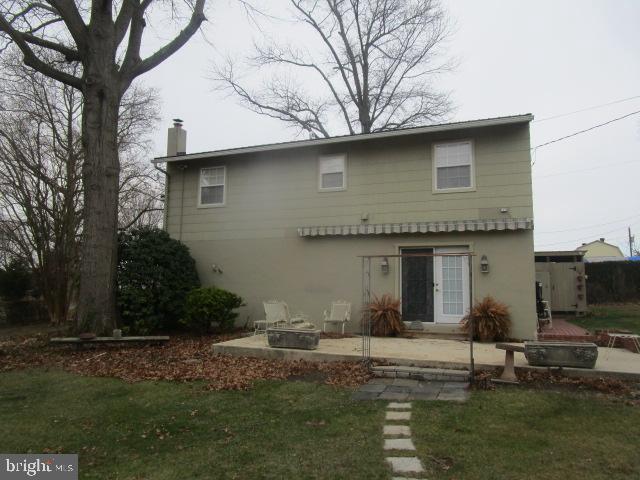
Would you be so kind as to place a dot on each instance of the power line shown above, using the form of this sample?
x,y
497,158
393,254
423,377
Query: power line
x,y
582,170
585,109
586,237
583,131
591,226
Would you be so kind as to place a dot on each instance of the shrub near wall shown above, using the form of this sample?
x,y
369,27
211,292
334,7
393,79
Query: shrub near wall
x,y
211,305
613,282
155,275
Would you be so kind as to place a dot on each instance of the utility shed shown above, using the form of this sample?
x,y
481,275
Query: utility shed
x,y
563,280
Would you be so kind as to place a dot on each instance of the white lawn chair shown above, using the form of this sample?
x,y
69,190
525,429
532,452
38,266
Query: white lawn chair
x,y
276,313
340,314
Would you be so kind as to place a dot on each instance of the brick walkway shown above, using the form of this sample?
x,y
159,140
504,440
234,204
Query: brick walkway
x,y
563,330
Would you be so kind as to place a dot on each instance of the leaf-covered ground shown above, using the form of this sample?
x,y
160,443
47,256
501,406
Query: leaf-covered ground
x,y
182,359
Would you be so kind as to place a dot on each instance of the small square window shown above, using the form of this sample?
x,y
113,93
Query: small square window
x,y
453,166
332,172
212,186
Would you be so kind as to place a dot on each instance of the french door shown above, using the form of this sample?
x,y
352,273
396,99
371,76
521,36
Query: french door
x,y
435,289
451,286
417,286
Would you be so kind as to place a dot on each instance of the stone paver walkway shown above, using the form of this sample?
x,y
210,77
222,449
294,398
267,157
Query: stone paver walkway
x,y
401,389
397,443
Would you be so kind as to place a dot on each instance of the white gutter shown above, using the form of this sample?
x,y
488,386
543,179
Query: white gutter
x,y
445,127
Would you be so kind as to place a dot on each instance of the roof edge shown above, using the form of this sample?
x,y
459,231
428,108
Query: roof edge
x,y
443,127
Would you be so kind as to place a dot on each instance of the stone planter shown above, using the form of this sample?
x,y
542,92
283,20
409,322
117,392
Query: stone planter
x,y
304,339
561,354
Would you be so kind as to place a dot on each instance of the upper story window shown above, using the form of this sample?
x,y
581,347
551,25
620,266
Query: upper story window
x,y
213,185
332,173
453,165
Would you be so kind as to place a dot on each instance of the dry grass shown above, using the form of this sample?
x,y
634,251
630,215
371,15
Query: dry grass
x,y
491,320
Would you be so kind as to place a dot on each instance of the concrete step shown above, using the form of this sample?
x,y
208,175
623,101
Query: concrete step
x,y
420,373
435,335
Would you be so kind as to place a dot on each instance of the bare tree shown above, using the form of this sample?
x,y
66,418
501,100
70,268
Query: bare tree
x,y
140,201
104,38
41,156
376,66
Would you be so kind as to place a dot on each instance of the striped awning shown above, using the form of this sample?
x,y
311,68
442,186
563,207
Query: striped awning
x,y
419,227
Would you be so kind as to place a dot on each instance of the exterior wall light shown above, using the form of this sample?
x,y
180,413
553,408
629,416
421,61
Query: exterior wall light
x,y
484,264
384,266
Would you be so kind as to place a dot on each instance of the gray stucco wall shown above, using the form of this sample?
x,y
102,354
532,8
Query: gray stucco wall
x,y
253,238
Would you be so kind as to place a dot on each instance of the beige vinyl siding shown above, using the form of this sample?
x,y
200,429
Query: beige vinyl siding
x,y
309,273
600,249
390,179
269,195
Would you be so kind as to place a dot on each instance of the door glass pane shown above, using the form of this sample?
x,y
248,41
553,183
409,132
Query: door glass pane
x,y
452,288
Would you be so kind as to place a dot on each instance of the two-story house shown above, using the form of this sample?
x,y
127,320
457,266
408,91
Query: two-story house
x,y
289,221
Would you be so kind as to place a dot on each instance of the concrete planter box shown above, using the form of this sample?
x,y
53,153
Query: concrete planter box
x,y
561,354
304,339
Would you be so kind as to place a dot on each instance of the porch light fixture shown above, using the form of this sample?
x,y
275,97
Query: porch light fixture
x,y
384,265
484,264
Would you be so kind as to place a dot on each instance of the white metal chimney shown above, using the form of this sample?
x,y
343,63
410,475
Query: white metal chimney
x,y
176,139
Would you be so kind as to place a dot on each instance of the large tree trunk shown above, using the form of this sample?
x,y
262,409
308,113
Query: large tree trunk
x,y
98,258
99,249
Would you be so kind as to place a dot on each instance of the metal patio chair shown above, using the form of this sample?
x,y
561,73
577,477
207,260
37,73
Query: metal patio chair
x,y
276,314
340,314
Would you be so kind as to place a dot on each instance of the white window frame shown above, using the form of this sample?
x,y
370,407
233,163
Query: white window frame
x,y
344,172
224,189
472,173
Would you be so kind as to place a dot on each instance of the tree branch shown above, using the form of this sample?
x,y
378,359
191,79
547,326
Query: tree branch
x,y
69,53
197,17
33,61
69,12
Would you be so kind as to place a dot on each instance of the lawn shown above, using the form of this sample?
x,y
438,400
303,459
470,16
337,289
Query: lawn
x,y
167,430
300,429
517,434
622,316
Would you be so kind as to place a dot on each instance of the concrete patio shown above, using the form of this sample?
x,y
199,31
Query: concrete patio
x,y
425,352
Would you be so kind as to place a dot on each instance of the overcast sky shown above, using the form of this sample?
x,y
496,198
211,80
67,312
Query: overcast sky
x,y
546,57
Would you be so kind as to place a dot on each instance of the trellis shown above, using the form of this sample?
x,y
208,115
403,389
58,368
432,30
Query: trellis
x,y
366,300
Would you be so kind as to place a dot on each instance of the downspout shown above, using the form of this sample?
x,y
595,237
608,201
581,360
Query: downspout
x,y
183,168
165,209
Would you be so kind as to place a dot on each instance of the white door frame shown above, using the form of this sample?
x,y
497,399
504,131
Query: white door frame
x,y
441,284
439,247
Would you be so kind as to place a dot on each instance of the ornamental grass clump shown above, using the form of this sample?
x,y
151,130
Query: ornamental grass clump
x,y
385,315
491,320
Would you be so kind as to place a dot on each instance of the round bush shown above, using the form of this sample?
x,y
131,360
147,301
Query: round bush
x,y
155,275
209,305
